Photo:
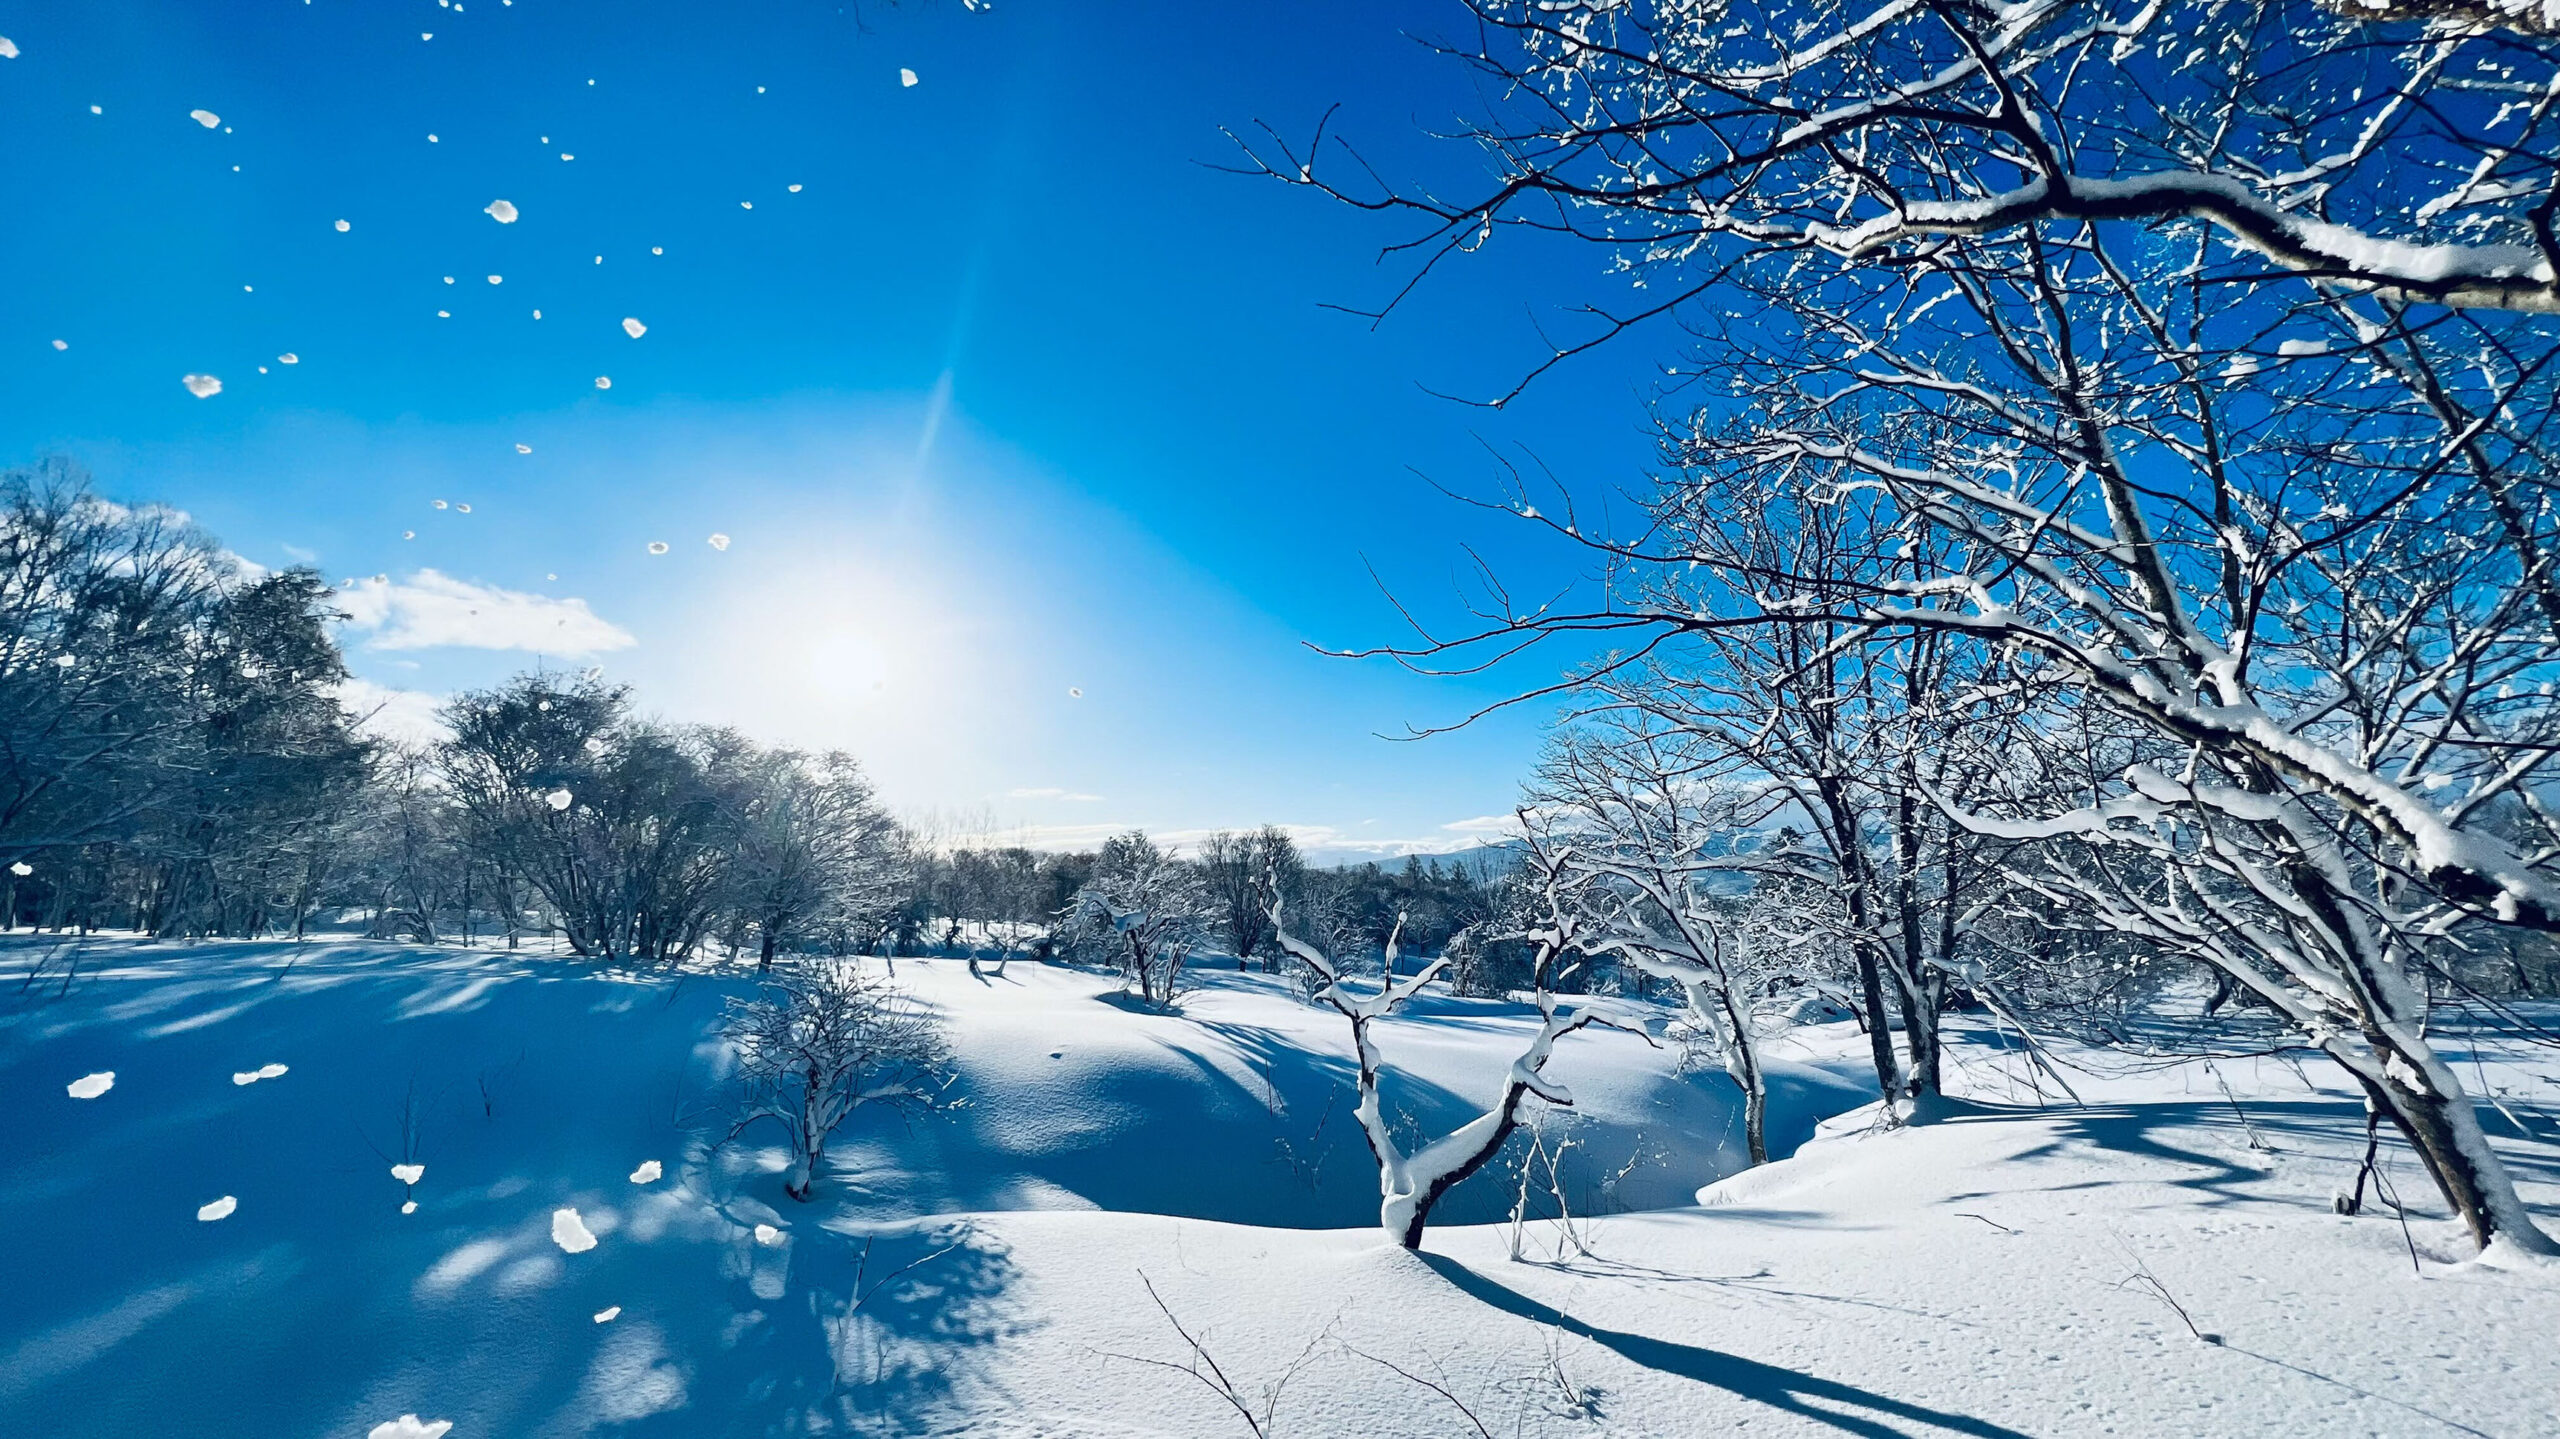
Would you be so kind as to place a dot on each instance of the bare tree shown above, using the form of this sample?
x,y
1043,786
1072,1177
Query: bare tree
x,y
1410,1184
1144,910
2181,369
823,1040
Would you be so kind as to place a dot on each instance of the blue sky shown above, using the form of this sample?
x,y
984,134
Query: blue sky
x,y
1017,396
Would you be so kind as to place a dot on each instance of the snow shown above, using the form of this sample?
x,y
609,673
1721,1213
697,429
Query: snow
x,y
1967,1275
289,358
409,1426
648,1172
906,77
718,542
559,799
264,1071
633,327
343,227
502,211
90,1086
9,51
408,1173
206,118
218,1209
570,1232
603,383
657,547
767,1235
62,344
203,387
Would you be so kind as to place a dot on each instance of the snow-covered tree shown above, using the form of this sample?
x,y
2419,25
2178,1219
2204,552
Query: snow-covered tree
x,y
1143,910
2182,368
807,842
825,1039
1644,854
1410,1184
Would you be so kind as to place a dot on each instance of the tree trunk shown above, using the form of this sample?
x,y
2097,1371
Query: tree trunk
x,y
2439,1122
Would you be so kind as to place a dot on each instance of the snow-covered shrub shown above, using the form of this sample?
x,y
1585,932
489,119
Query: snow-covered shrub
x,y
825,1038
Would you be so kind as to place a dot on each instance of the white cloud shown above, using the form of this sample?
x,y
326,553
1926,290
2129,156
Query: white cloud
x,y
430,609
401,716
1052,792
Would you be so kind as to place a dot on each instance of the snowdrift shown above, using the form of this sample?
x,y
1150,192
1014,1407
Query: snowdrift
x,y
522,1088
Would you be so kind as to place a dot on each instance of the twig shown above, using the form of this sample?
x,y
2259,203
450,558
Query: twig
x,y
1440,1389
1994,1223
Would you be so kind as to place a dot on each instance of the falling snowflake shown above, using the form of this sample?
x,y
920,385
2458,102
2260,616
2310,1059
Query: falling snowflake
x,y
9,51
1074,693
90,1086
570,1232
408,1173
502,211
657,547
344,227
219,1209
497,279
608,1314
440,504
746,204
288,358
206,118
524,449
604,382
203,387
906,76
62,344
462,509
795,189
558,799
657,249
22,869
633,327
719,542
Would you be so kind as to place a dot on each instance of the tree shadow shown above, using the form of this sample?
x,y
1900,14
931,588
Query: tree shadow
x,y
1844,1407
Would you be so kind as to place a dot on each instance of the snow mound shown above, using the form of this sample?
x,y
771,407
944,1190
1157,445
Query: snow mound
x,y
218,1209
410,1426
570,1232
90,1086
647,1173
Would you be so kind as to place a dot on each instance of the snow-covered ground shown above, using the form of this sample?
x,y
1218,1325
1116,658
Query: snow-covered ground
x,y
2008,1269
